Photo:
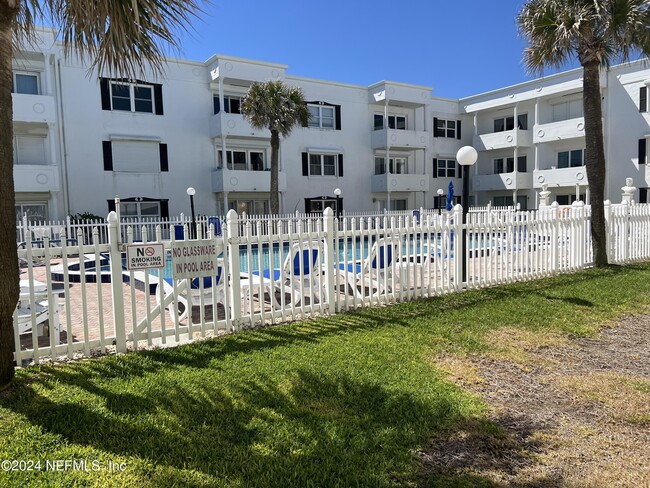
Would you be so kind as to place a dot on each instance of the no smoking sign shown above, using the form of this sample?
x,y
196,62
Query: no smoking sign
x,y
145,256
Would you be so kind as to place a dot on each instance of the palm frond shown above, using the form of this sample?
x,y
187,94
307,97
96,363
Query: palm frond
x,y
275,106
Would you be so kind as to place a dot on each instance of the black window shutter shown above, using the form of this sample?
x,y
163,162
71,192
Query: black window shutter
x,y
307,205
337,116
458,129
305,164
460,170
643,195
435,127
111,205
106,93
435,167
216,103
306,123
164,209
340,164
642,151
164,161
643,99
157,95
107,149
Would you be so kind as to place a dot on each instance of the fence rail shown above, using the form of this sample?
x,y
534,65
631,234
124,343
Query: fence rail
x,y
78,295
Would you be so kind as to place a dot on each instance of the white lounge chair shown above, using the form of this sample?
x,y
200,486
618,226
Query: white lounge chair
x,y
375,271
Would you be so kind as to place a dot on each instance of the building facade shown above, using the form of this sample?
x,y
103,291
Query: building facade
x,y
81,139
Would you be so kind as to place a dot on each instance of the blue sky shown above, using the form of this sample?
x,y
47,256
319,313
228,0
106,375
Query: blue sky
x,y
458,47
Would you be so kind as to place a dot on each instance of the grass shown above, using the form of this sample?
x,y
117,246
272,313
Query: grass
x,y
347,400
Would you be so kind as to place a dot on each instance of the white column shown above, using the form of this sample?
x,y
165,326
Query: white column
x,y
225,202
224,158
48,75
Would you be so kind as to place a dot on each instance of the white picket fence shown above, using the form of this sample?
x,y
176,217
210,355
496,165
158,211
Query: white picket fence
x,y
77,297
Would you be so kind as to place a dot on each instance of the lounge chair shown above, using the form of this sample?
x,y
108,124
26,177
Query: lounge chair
x,y
33,309
299,275
375,271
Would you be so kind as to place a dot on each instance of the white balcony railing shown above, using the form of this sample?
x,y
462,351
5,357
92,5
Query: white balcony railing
x,y
501,140
563,129
399,182
560,177
36,178
33,108
235,125
403,139
225,180
503,181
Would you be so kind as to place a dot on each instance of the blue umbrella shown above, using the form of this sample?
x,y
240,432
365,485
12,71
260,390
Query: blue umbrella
x,y
450,196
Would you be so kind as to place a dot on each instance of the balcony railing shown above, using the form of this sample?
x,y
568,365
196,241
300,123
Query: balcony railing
x,y
235,125
560,177
402,139
225,180
503,181
399,182
36,178
501,140
563,129
33,108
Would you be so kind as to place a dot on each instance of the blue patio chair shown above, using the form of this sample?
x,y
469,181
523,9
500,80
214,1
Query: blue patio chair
x,y
374,271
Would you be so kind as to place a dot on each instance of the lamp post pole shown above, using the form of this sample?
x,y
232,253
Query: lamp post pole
x,y
466,157
440,192
191,192
337,193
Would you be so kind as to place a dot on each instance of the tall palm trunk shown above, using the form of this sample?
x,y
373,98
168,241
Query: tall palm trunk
x,y
595,158
275,170
8,260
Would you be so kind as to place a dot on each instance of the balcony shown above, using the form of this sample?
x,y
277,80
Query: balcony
x,y
226,180
503,181
563,129
234,125
33,108
399,182
36,178
560,177
502,140
400,139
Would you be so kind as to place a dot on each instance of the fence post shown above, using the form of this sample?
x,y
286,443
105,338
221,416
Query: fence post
x,y
555,237
329,243
117,292
458,246
234,288
624,238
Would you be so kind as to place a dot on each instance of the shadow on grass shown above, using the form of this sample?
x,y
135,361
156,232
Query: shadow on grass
x,y
304,430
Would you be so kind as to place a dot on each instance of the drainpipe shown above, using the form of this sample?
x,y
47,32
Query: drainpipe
x,y
224,158
62,145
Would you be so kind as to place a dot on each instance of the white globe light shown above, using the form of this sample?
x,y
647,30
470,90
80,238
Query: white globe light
x,y
466,156
337,192
191,191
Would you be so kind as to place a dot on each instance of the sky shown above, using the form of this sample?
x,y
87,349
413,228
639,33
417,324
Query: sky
x,y
458,48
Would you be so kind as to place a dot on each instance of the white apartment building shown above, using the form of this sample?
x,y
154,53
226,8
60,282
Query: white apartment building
x,y
80,140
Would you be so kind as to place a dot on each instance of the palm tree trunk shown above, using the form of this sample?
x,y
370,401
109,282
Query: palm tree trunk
x,y
8,257
275,170
595,158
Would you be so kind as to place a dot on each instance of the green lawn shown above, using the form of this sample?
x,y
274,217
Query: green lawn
x,y
341,401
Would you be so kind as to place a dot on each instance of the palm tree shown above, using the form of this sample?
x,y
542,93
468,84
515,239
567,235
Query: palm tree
x,y
125,37
597,33
278,107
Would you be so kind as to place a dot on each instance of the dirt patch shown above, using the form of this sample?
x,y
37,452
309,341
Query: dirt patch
x,y
563,412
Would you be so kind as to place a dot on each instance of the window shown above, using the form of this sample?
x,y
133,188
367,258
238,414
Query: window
x,y
508,123
399,204
567,110
321,116
570,159
447,128
250,207
135,156
507,165
394,122
131,96
643,195
397,165
26,83
29,150
231,104
34,211
243,160
318,205
507,201
322,165
643,99
317,164
140,209
446,168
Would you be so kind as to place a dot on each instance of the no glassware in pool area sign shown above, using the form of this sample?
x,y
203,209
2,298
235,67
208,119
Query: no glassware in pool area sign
x,y
145,256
